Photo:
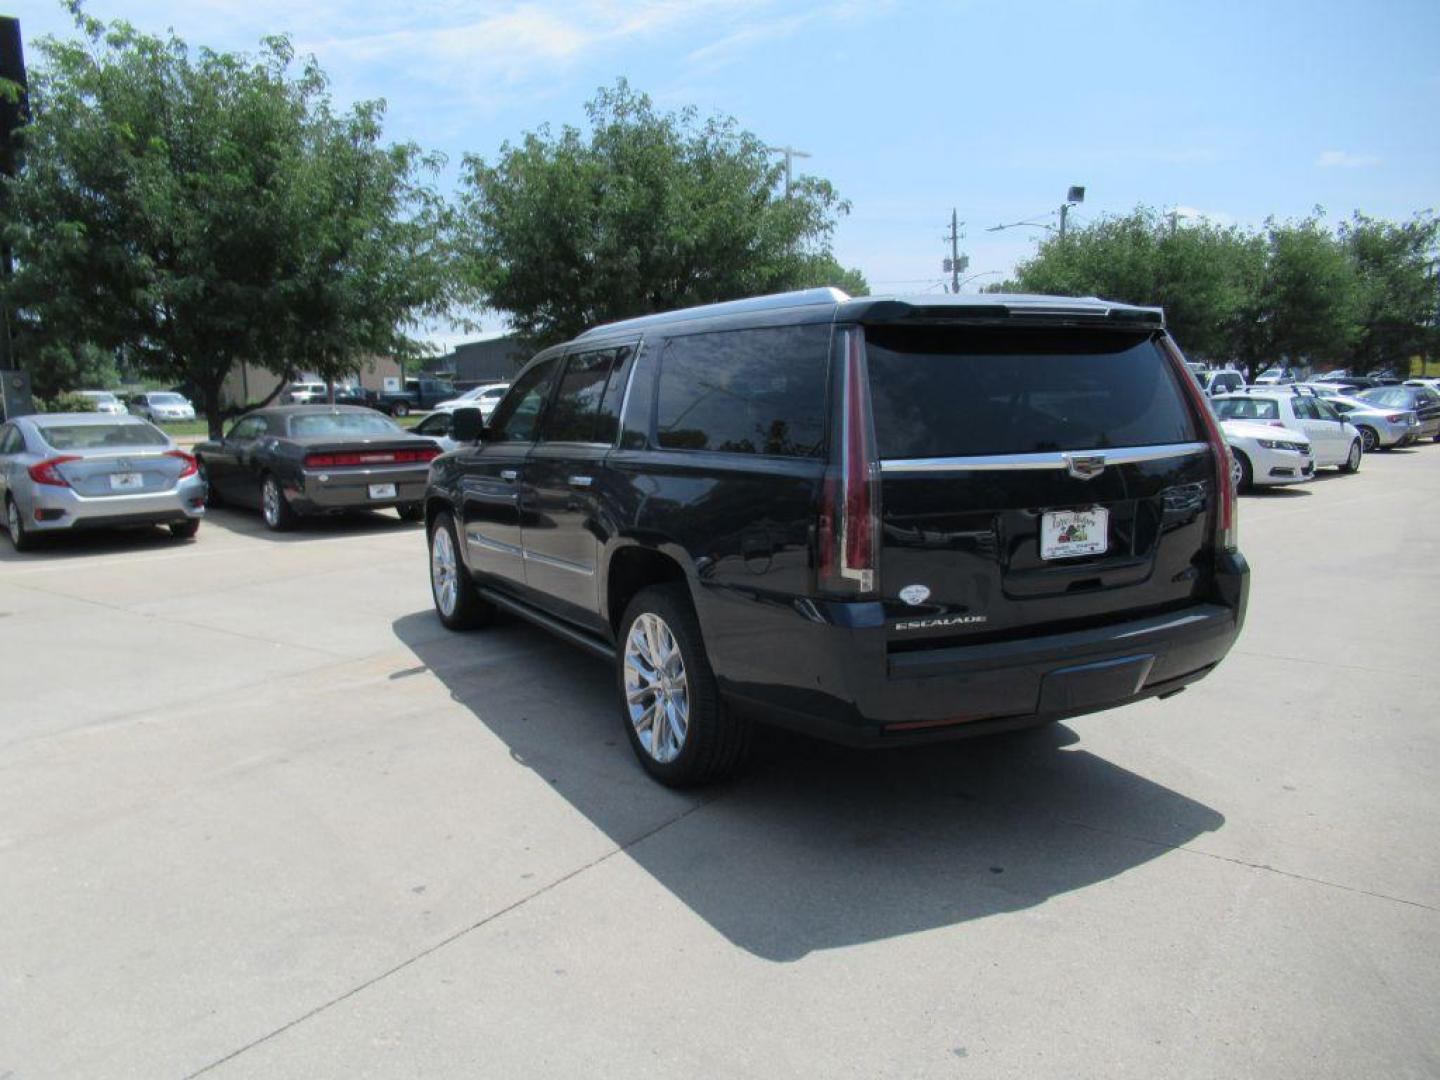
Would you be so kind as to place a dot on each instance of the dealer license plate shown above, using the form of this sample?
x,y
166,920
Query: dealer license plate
x,y
1065,534
382,491
126,481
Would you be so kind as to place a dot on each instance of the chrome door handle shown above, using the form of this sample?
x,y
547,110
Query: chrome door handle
x,y
510,475
581,481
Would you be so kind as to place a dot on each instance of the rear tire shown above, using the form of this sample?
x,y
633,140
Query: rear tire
x,y
273,507
184,530
15,525
681,730
1352,462
457,602
400,409
1369,439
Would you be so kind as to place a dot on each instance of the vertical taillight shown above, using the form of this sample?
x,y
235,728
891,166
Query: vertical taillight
x,y
1227,526
188,467
48,471
850,517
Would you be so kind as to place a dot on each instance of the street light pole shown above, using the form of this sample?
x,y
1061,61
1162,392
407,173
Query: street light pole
x,y
789,152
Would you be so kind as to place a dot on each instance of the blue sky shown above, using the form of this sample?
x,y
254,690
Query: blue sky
x,y
1232,110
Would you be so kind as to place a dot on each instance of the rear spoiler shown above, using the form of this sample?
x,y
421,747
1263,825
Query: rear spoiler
x,y
1097,313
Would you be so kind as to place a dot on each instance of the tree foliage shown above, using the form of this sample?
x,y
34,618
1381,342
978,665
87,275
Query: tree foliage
x,y
1363,295
191,209
649,212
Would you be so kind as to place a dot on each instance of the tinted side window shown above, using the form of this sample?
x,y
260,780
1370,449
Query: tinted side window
x,y
745,391
249,428
1305,409
945,391
9,440
573,415
640,406
516,416
607,423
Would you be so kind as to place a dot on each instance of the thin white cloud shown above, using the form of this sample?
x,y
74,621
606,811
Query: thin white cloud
x,y
1342,159
1214,217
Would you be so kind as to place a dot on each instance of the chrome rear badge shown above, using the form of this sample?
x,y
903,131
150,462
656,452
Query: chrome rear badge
x,y
932,624
914,595
1084,466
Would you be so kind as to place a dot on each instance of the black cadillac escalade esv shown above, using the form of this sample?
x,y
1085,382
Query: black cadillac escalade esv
x,y
879,520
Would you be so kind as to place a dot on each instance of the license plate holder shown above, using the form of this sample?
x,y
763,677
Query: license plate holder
x,y
1069,534
126,481
382,491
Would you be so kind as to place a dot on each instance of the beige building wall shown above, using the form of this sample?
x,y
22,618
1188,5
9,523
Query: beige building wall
x,y
248,383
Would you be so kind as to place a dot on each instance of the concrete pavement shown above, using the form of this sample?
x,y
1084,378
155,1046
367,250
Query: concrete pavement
x,y
261,816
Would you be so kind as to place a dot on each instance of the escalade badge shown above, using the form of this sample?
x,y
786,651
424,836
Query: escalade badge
x,y
1085,466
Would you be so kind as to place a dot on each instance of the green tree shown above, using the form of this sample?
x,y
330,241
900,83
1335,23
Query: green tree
x,y
1307,297
195,208
1395,264
651,211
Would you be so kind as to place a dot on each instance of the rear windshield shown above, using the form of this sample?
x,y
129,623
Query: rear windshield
x,y
166,399
1392,397
358,423
85,436
946,392
1246,409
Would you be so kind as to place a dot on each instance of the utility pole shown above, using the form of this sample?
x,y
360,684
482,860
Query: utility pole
x,y
790,152
957,263
1064,210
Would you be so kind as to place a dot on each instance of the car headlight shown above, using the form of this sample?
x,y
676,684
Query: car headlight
x,y
1280,444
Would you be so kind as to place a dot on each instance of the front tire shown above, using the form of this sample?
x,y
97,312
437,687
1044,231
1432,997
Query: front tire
x,y
680,729
1242,473
457,602
273,507
15,525
400,409
1352,462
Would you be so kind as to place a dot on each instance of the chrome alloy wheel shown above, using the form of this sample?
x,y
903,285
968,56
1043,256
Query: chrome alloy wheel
x,y
1237,472
442,572
1354,462
270,501
657,693
12,518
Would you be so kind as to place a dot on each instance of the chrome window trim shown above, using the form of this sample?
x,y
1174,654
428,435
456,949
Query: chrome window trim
x,y
1060,459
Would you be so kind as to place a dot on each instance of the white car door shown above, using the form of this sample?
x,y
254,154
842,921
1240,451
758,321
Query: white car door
x,y
1340,431
1322,434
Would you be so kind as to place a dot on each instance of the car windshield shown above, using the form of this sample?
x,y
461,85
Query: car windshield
x,y
167,399
102,396
345,423
1392,397
1247,409
88,436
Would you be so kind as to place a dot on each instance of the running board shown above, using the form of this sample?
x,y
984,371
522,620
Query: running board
x,y
559,628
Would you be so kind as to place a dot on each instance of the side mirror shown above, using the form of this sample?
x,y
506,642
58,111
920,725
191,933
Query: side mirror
x,y
466,425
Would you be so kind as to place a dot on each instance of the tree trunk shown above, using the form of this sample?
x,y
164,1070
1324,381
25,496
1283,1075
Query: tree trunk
x,y
211,389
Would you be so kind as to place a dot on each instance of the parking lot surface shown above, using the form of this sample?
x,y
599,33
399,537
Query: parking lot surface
x,y
261,816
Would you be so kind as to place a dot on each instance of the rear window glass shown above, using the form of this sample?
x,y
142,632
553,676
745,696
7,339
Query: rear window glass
x,y
1391,397
947,392
745,391
357,423
1247,409
84,436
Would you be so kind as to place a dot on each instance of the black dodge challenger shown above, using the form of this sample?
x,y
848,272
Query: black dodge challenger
x,y
317,459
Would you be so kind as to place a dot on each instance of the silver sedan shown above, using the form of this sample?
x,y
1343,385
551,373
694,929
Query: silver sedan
x,y
64,471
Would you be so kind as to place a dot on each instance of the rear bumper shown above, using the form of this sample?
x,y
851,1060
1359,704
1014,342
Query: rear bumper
x,y
842,683
350,489
56,509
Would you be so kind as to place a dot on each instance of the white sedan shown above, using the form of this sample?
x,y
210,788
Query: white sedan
x,y
1335,441
1262,455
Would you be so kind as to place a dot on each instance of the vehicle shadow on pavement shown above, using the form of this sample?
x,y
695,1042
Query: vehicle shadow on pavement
x,y
80,545
816,846
244,522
